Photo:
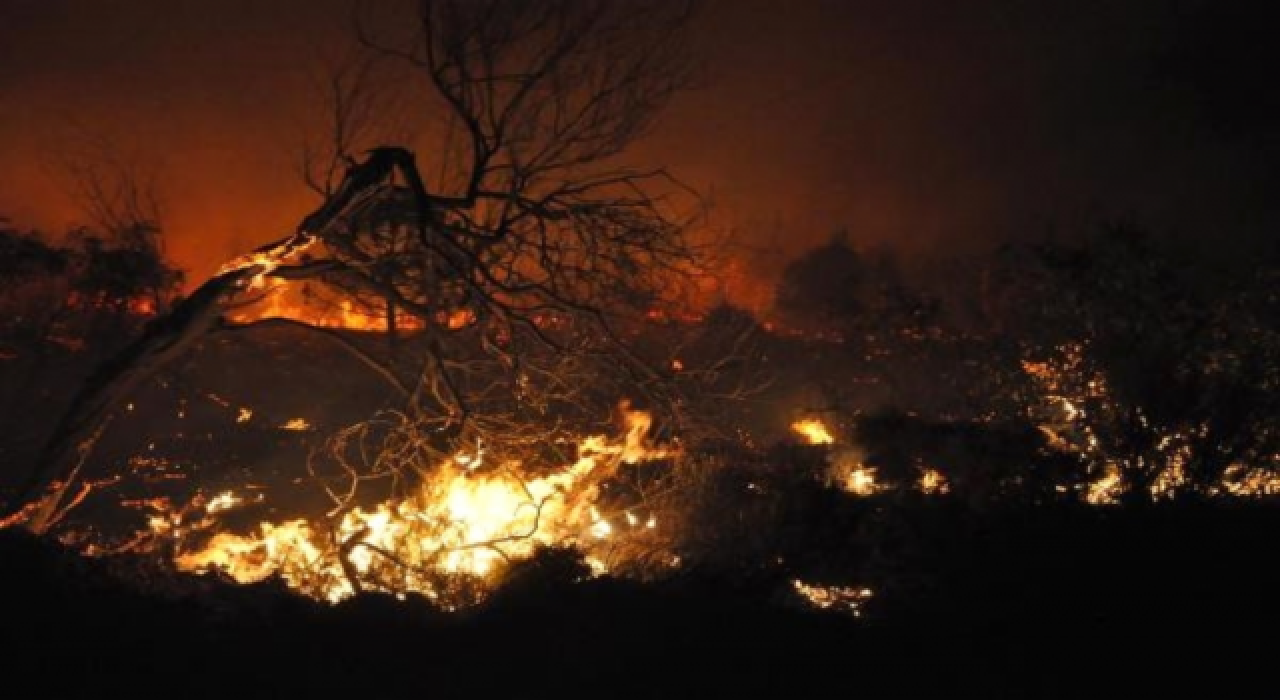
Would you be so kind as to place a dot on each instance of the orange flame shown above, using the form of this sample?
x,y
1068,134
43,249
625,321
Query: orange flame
x,y
814,431
458,522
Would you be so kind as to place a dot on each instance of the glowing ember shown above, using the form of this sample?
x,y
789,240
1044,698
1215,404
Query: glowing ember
x,y
848,471
932,481
1107,488
846,598
296,424
459,319
1243,481
861,480
814,431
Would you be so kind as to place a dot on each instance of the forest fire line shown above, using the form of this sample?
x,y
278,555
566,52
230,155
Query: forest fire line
x,y
302,302
453,537
447,540
299,302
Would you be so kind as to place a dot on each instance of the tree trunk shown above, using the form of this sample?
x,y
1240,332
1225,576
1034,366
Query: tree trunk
x,y
173,334
77,432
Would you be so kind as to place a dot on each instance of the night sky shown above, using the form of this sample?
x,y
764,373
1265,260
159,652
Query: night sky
x,y
924,126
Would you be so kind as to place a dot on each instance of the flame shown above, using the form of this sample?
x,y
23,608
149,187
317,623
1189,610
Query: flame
x,y
264,262
459,522
298,302
312,304
223,501
933,481
861,481
813,430
459,318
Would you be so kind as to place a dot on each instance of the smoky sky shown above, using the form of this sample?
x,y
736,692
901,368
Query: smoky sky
x,y
917,126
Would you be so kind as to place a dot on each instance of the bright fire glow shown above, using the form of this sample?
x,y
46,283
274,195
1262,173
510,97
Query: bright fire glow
x,y
223,501
310,304
458,523
933,481
861,480
265,262
814,431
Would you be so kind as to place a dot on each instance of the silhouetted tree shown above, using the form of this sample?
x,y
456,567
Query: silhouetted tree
x,y
64,307
32,275
875,338
822,290
522,265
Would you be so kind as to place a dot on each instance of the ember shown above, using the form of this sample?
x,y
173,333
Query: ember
x,y
845,598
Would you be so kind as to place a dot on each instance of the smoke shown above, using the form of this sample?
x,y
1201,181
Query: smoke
x,y
915,125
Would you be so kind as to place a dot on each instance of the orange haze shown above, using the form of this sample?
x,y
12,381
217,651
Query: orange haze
x,y
913,124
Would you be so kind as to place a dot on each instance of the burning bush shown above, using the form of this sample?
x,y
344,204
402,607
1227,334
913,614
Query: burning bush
x,y
448,530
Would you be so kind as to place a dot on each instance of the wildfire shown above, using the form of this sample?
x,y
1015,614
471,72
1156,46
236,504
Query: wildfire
x,y
312,305
814,431
299,302
458,524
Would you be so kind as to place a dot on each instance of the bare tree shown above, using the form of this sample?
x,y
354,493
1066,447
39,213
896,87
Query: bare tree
x,y
533,252
362,107
119,196
114,188
523,267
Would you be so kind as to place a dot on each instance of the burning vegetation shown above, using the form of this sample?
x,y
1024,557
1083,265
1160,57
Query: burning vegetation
x,y
433,387
441,459
503,449
448,539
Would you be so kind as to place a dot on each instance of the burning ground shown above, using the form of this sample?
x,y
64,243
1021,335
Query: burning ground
x,y
487,422
787,562
872,481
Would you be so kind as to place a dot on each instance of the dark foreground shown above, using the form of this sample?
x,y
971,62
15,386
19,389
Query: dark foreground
x,y
1050,603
